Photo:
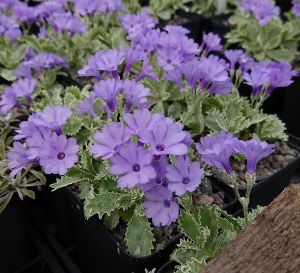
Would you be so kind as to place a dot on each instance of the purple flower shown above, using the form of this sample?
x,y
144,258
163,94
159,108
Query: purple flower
x,y
211,42
176,30
296,7
9,28
24,87
280,75
216,150
52,117
26,128
233,56
17,158
254,151
109,140
136,94
161,207
90,7
258,78
59,154
46,9
165,139
184,177
141,120
8,100
109,61
221,88
7,4
147,71
168,58
90,70
175,76
192,72
24,13
108,90
66,22
87,106
263,10
132,55
134,164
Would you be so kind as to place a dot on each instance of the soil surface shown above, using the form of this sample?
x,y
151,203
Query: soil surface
x,y
279,159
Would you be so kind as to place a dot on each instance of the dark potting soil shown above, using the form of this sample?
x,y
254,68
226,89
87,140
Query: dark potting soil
x,y
279,159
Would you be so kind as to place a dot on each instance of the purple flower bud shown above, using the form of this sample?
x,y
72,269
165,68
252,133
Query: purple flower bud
x,y
184,177
134,164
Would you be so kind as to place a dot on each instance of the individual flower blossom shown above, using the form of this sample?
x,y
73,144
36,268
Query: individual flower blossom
x,y
91,7
17,158
110,139
168,58
137,23
254,151
134,164
184,176
233,56
258,78
108,90
161,207
90,69
146,43
146,71
280,75
164,139
8,100
131,55
216,150
46,9
36,140
296,8
135,93
87,106
66,22
24,13
141,120
59,154
211,42
221,88
26,128
192,72
175,76
24,87
52,117
7,4
188,49
245,63
9,28
263,10
109,61
176,30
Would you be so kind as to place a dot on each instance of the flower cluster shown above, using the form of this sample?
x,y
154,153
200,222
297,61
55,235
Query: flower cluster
x,y
40,140
90,7
217,150
263,10
145,161
9,28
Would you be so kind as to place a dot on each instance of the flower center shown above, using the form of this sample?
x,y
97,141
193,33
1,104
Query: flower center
x,y
169,61
61,156
160,147
185,180
158,180
167,203
136,168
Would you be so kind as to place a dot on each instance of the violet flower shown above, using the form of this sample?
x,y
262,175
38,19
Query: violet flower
x,y
296,8
8,100
175,76
91,7
59,154
134,164
211,42
221,88
24,87
146,71
254,151
52,117
87,106
184,176
24,13
108,90
45,9
135,93
9,28
109,140
176,30
168,58
216,150
17,158
66,22
233,56
90,69
132,55
165,139
161,207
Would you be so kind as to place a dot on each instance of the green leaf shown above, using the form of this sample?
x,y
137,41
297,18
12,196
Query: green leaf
x,y
139,237
112,220
65,181
101,204
189,225
73,126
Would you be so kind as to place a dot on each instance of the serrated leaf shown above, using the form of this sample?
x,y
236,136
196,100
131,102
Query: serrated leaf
x,y
73,126
112,220
139,237
189,226
65,181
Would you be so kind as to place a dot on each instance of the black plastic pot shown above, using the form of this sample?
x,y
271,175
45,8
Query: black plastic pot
x,y
169,267
266,190
23,247
97,250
